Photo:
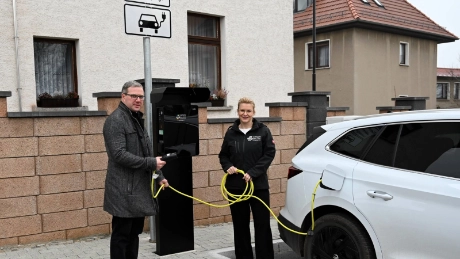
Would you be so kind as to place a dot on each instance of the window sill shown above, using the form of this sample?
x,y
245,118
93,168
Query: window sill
x,y
318,68
404,65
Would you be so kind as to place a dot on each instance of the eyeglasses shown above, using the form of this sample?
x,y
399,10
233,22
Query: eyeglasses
x,y
135,96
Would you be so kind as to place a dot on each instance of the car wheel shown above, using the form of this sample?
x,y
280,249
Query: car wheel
x,y
337,236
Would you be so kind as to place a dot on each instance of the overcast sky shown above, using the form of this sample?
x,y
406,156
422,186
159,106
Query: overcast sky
x,y
446,13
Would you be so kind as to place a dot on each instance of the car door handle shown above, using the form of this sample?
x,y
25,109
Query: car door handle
x,y
378,194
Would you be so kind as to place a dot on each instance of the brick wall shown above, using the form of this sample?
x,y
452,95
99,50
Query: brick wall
x,y
52,173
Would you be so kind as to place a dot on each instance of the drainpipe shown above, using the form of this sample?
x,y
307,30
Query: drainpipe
x,y
16,43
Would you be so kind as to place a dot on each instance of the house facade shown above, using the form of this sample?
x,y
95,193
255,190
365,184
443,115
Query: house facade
x,y
448,88
368,52
82,47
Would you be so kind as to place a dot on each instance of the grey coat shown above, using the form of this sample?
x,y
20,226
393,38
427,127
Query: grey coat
x,y
129,172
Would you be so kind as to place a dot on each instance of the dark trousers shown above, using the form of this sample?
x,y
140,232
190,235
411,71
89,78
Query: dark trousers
x,y
241,226
124,242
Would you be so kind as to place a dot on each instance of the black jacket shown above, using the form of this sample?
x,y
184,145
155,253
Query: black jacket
x,y
252,153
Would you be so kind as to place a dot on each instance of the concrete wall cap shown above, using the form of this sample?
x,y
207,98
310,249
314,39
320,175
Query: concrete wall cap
x,y
107,94
309,93
409,98
287,104
5,93
337,108
393,107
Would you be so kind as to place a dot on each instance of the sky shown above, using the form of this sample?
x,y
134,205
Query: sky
x,y
446,14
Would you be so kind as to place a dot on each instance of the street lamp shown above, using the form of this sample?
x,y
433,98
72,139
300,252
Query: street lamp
x,y
313,83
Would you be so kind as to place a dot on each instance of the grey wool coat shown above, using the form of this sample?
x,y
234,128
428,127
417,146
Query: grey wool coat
x,y
129,171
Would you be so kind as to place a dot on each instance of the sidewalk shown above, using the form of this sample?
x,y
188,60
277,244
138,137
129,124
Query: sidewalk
x,y
215,241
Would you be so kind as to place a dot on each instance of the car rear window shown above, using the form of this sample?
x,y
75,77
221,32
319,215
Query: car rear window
x,y
355,142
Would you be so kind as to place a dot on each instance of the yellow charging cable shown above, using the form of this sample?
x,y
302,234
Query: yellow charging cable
x,y
243,197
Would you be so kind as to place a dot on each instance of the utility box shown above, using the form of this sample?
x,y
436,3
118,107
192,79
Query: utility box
x,y
175,130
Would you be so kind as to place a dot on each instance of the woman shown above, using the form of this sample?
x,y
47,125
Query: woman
x,y
248,145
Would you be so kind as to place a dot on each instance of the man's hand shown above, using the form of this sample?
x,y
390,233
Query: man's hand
x,y
165,182
160,163
232,170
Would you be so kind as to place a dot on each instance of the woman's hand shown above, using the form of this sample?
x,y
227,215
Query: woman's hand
x,y
247,177
232,170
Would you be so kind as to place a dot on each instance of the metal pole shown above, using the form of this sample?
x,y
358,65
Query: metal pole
x,y
313,83
148,110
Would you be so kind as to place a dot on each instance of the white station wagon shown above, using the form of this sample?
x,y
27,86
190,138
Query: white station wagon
x,y
390,188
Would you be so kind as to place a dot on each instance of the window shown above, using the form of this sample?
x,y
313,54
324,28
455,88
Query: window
x,y
300,5
55,66
204,51
404,53
382,151
442,91
322,54
430,147
456,91
355,142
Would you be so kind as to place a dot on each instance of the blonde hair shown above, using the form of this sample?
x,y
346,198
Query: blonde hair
x,y
247,100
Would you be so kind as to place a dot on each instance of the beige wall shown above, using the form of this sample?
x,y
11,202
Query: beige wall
x,y
365,70
338,79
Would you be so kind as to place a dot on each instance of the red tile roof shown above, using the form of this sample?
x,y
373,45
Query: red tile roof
x,y
448,72
395,15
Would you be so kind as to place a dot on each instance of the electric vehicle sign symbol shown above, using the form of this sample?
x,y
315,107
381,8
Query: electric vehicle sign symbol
x,y
147,21
150,21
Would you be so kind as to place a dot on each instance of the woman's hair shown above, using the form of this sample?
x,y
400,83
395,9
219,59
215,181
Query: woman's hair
x,y
247,100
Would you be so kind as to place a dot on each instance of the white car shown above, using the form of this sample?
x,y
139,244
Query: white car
x,y
390,188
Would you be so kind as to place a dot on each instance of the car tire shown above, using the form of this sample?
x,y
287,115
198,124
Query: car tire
x,y
338,236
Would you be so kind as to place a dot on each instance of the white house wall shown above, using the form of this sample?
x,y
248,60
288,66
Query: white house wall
x,y
257,47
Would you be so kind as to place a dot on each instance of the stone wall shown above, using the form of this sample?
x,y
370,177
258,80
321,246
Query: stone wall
x,y
52,171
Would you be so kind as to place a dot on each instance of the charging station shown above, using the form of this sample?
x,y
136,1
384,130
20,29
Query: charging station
x,y
175,130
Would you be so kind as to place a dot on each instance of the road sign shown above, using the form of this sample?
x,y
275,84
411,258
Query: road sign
x,y
152,2
147,21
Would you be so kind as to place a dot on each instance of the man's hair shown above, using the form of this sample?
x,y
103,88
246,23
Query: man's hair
x,y
129,84
247,100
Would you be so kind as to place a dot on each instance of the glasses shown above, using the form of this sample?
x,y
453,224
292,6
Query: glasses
x,y
135,96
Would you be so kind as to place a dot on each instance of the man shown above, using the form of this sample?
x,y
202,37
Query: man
x,y
127,194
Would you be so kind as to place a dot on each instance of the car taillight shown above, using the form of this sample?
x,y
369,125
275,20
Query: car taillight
x,y
293,172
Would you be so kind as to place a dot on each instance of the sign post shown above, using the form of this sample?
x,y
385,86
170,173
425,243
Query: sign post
x,y
150,19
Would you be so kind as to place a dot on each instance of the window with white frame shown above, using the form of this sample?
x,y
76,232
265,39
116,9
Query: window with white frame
x,y
55,66
300,5
322,55
456,91
442,91
404,53
204,51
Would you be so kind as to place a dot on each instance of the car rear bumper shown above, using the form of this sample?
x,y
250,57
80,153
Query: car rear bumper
x,y
293,240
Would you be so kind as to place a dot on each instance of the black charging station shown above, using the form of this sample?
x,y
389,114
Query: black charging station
x,y
175,130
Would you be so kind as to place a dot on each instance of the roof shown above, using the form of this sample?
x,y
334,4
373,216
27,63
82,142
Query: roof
x,y
396,117
397,16
448,72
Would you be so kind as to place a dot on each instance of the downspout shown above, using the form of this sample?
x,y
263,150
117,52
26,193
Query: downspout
x,y
16,43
